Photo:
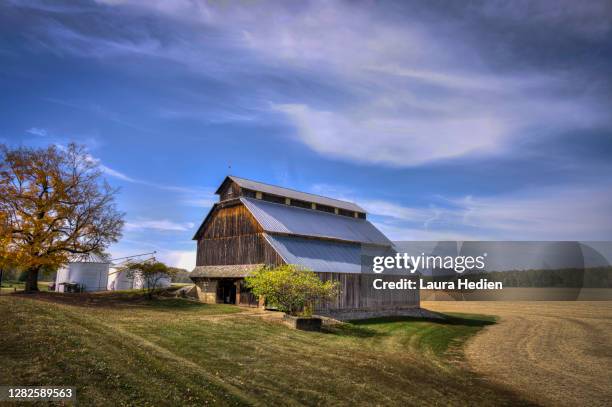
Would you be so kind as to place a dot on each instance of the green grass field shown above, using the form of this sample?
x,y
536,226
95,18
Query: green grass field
x,y
12,286
120,349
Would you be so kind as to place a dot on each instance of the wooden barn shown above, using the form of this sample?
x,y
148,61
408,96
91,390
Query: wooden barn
x,y
255,223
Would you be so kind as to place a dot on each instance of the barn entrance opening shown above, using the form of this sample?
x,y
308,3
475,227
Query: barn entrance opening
x,y
226,291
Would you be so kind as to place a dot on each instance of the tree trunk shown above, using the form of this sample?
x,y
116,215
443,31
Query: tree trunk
x,y
31,284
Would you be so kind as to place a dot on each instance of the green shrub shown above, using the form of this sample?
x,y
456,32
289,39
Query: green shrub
x,y
291,289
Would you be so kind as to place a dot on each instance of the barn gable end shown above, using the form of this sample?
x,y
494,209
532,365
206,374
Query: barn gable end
x,y
231,235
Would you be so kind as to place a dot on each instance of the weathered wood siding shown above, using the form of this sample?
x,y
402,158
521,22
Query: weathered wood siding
x,y
232,236
245,249
245,296
358,293
230,190
231,221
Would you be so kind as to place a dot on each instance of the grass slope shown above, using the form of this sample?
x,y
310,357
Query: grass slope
x,y
127,351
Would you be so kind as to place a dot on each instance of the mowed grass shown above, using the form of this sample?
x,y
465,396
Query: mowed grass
x,y
177,352
435,338
12,286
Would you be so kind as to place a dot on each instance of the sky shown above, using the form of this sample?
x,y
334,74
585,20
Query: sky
x,y
444,120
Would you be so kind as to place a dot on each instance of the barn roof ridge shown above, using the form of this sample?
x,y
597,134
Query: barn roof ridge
x,y
292,193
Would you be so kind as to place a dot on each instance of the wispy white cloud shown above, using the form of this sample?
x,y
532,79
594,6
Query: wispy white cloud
x,y
105,169
194,196
204,200
185,259
116,174
411,102
574,212
423,216
190,196
200,197
207,115
95,109
374,138
567,212
589,19
164,225
405,233
37,131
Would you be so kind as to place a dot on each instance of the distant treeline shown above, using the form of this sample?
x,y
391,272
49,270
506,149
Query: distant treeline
x,y
15,274
595,277
181,276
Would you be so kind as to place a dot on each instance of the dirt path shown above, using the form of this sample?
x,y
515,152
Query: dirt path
x,y
554,353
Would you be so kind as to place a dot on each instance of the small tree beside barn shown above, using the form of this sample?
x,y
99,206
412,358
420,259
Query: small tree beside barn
x,y
150,275
291,289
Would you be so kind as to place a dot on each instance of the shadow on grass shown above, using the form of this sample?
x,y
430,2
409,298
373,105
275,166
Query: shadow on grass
x,y
444,329
468,320
173,304
350,330
116,299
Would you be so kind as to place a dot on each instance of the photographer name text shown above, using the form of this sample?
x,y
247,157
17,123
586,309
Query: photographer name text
x,y
414,284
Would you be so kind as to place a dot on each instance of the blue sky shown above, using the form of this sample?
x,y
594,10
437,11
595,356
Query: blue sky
x,y
446,120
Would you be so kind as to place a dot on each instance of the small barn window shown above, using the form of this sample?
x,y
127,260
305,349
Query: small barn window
x,y
248,193
344,212
325,208
273,198
300,204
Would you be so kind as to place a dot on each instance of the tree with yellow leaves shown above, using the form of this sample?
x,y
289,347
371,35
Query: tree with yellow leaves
x,y
54,205
5,258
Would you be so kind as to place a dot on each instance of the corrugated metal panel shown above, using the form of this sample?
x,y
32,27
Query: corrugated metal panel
x,y
278,218
90,276
318,255
293,194
90,258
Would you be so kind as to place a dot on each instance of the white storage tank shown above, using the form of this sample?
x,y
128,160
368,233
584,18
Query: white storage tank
x,y
83,275
161,281
118,279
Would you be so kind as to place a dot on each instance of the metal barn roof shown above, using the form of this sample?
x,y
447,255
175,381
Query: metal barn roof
x,y
90,258
284,219
293,194
317,255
